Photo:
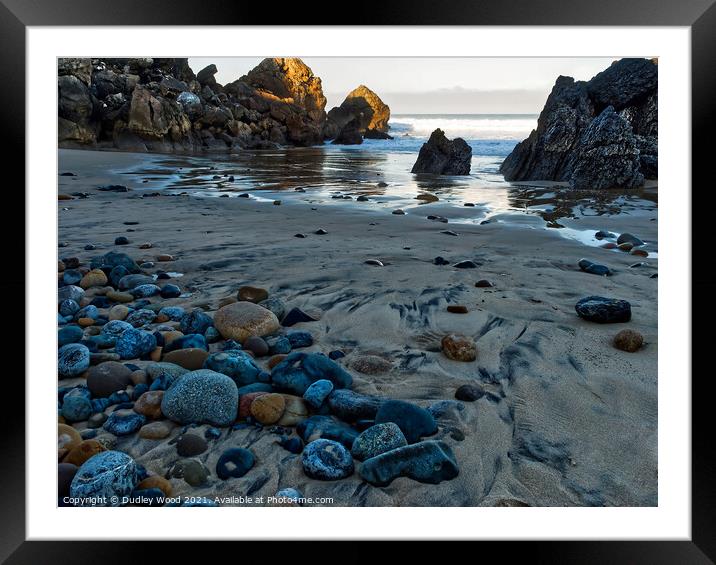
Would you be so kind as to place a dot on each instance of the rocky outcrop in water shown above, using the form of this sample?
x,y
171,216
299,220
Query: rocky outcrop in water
x,y
366,109
441,156
161,105
567,147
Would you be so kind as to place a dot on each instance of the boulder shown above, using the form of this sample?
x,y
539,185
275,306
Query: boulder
x,y
349,134
442,156
370,113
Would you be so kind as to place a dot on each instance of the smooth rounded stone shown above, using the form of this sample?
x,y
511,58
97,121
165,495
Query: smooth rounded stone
x,y
200,397
82,452
294,412
459,348
195,322
68,308
191,341
69,334
125,424
376,440
278,345
252,294
374,262
70,292
639,252
484,283
336,354
317,393
445,408
65,473
191,358
275,360
299,339
141,317
167,371
72,359
299,370
67,437
189,445
296,316
602,234
71,276
440,261
96,420
327,460
608,245
371,365
398,212
292,444
121,297
288,497
149,404
245,401
115,328
268,408
95,277
241,320
192,471
626,246
275,305
234,463
121,240
326,427
108,377
300,235
155,430
362,198
165,257
173,313
414,421
89,311
629,238
170,291
603,310
427,462
145,291
118,312
256,345
467,264
129,282
134,343
236,364
351,406
628,340
469,393
156,482
106,477
457,309
594,268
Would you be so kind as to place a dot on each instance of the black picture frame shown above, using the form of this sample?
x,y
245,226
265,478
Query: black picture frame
x,y
699,15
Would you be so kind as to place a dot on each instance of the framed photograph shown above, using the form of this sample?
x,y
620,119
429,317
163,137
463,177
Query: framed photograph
x,y
399,274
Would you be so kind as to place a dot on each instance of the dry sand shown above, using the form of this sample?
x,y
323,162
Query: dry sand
x,y
572,420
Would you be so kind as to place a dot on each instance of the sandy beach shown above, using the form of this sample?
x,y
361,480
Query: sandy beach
x,y
566,419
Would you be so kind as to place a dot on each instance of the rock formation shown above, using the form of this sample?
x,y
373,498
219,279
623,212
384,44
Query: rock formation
x,y
161,105
441,156
370,113
565,146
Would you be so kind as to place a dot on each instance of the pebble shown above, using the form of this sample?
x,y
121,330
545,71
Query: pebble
x,y
191,358
268,408
240,320
68,308
108,377
398,212
457,309
69,334
70,292
189,445
202,396
427,462
628,340
378,439
374,262
325,427
236,364
320,231
351,406
192,471
594,268
252,294
134,343
275,305
294,412
640,252
459,348
630,238
256,345
95,277
109,475
450,232
440,261
317,393
158,482
608,245
327,460
292,444
121,240
141,317
67,437
234,462
300,235
467,264
118,312
149,404
72,359
484,283
125,424
115,328
295,316
469,393
128,282
195,322
121,297
155,430
170,291
603,310
371,365
626,246
82,452
299,370
165,257
414,421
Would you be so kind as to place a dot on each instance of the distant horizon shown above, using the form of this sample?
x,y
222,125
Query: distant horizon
x,y
420,85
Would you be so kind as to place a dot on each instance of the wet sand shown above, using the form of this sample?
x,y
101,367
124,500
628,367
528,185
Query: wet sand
x,y
571,420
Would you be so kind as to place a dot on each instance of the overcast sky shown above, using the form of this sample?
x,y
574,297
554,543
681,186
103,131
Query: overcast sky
x,y
434,85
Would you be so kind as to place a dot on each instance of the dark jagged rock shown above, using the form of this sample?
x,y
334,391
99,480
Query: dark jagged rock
x,y
443,157
629,86
350,134
607,155
603,310
364,106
